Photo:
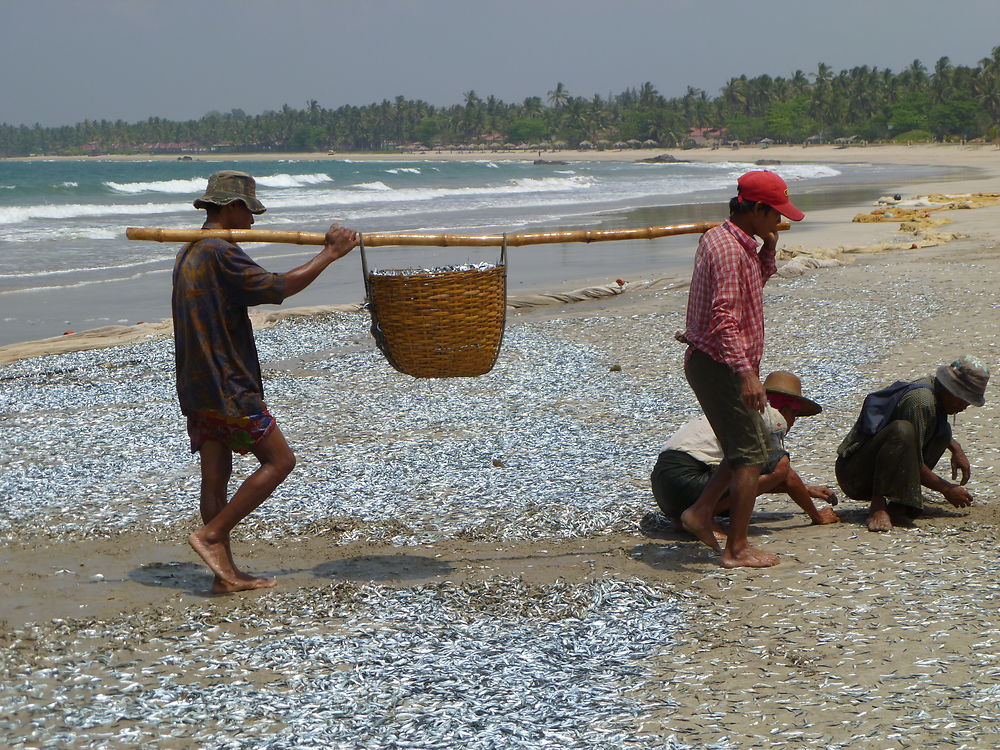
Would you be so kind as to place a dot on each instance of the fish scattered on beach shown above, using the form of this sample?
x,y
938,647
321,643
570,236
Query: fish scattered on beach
x,y
499,662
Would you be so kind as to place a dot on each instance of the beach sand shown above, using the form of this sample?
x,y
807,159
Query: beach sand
x,y
854,640
942,154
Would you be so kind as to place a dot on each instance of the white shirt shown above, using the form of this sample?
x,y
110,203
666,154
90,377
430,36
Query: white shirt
x,y
697,439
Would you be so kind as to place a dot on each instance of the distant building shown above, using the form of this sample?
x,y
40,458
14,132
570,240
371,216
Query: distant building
x,y
707,136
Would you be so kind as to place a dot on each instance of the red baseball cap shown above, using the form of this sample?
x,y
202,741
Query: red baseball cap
x,y
769,189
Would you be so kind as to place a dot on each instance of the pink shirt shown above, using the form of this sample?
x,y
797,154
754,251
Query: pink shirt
x,y
725,311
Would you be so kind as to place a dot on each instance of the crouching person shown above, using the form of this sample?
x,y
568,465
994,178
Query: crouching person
x,y
692,455
900,436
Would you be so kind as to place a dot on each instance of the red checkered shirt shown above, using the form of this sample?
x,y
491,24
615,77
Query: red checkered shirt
x,y
725,311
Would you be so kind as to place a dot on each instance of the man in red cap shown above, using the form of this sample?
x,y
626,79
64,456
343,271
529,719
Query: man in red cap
x,y
725,334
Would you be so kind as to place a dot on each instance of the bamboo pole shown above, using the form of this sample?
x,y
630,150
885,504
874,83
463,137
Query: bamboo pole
x,y
384,239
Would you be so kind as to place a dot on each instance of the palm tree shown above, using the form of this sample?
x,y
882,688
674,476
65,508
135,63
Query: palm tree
x,y
821,92
649,97
473,116
558,96
941,81
734,95
914,77
987,85
799,82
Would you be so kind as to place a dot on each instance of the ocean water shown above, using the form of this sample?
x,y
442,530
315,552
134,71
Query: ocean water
x,y
65,263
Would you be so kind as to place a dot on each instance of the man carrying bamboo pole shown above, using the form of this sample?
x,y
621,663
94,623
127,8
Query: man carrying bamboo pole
x,y
725,334
218,373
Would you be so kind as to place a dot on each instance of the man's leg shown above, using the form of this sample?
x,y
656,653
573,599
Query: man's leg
x,y
883,471
216,470
678,480
775,481
212,540
699,519
879,519
743,438
743,494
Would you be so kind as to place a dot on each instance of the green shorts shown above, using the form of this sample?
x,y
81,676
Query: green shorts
x,y
740,429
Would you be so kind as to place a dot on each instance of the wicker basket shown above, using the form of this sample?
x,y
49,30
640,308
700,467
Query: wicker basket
x,y
439,324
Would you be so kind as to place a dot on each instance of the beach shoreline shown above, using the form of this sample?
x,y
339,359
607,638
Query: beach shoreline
x,y
854,640
936,154
93,298
827,233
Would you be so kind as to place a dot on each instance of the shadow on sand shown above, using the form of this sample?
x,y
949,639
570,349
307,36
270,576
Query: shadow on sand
x,y
375,568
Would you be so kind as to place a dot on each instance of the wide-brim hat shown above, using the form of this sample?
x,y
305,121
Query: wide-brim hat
x,y
227,186
965,378
788,384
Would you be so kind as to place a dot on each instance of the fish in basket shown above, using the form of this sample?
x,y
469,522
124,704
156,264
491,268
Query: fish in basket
x,y
442,322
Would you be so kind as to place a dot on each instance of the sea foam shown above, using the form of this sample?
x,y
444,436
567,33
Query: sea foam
x,y
18,214
293,180
196,185
192,186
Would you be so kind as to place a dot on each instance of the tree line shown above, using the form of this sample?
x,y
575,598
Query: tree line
x,y
948,102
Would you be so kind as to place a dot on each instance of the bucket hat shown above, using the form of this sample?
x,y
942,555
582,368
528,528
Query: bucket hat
x,y
965,378
788,384
227,186
768,188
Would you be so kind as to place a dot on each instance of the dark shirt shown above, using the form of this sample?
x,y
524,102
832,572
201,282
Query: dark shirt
x,y
217,364
919,407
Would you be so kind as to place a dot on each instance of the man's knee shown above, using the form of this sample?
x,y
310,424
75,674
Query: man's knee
x,y
783,469
901,431
284,462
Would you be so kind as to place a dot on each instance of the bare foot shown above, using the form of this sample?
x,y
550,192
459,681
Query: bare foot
x,y
879,520
721,535
220,586
749,557
702,531
240,575
245,583
227,579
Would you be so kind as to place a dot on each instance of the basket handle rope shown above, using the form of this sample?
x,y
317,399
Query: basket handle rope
x,y
364,261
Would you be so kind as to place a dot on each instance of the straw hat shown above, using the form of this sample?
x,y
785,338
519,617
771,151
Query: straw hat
x,y
965,378
788,384
227,186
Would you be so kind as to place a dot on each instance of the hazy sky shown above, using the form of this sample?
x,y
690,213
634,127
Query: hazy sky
x,y
66,60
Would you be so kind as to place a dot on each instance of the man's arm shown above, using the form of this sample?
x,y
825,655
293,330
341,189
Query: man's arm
x,y
959,463
955,494
725,306
726,314
768,265
752,390
786,479
919,408
339,242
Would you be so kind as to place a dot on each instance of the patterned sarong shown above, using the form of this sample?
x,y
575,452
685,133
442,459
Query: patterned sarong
x,y
239,434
